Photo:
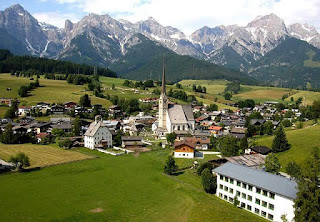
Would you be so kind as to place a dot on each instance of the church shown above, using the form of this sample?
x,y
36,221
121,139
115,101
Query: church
x,y
173,117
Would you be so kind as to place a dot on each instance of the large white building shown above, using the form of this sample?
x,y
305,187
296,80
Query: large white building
x,y
265,194
173,117
98,135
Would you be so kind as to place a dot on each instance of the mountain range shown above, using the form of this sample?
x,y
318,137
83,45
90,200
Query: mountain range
x,y
107,42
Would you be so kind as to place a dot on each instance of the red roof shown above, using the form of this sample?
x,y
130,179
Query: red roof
x,y
216,128
42,135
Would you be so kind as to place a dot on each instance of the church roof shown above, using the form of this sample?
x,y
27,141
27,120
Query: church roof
x,y
180,113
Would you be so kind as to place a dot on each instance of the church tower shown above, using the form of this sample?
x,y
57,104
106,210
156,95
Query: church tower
x,y
163,101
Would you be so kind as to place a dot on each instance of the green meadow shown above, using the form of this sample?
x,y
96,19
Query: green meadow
x,y
109,188
302,141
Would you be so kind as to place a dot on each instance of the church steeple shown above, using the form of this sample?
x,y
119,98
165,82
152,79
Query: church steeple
x,y
163,91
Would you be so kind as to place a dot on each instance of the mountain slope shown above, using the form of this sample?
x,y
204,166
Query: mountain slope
x,y
144,60
11,43
292,64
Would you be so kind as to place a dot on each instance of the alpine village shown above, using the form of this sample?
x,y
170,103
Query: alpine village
x,y
109,120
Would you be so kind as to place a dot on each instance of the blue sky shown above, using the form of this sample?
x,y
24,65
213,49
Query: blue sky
x,y
187,15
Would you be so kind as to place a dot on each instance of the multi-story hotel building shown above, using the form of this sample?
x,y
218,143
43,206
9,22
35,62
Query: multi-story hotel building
x,y
265,194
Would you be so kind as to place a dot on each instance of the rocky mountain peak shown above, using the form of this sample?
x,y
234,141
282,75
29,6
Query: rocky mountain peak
x,y
68,25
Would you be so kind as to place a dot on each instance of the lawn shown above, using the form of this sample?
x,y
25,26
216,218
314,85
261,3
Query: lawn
x,y
307,97
3,110
302,141
41,155
52,91
112,188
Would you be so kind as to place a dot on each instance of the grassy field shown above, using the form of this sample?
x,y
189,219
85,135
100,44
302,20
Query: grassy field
x,y
310,62
40,155
302,141
53,91
307,96
3,111
109,188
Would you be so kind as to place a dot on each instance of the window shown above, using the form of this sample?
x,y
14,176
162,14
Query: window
x,y
238,193
238,183
256,210
250,187
231,199
257,201
225,197
265,193
264,204
220,195
258,190
226,179
271,206
230,190
231,181
249,207
221,187
249,198
225,188
243,205
244,196
244,185
264,214
270,216
271,195
221,177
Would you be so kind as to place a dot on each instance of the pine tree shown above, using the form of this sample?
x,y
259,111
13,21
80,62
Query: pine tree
x,y
280,142
307,207
76,126
8,137
170,166
243,143
293,169
85,101
209,182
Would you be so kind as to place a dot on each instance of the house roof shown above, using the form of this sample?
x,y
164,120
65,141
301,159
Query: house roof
x,y
184,142
93,128
267,181
180,113
131,138
261,149
197,140
217,128
253,160
238,130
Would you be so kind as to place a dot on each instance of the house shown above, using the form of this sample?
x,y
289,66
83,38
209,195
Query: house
x,y
70,105
57,110
98,135
255,161
216,131
184,149
238,133
265,194
112,124
24,110
132,141
40,136
42,127
65,126
204,134
201,144
148,100
263,150
114,109
5,101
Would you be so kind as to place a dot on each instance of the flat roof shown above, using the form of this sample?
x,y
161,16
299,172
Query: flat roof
x,y
267,181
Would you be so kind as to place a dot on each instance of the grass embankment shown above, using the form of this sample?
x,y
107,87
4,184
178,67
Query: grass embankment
x,y
109,188
302,141
40,155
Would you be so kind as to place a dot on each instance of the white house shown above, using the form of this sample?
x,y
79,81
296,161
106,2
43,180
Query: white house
x,y
24,110
98,135
265,194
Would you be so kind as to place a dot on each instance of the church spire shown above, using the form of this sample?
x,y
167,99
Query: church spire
x,y
163,92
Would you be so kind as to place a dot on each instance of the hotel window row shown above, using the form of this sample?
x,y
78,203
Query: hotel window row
x,y
249,207
248,187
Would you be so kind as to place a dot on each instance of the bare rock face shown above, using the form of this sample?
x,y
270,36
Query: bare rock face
x,y
306,33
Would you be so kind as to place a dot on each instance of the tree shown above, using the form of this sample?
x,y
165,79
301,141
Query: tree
x,y
204,166
8,137
209,182
204,89
76,129
306,204
227,96
171,137
236,202
293,169
243,144
268,126
20,161
229,146
212,107
113,87
272,164
23,91
170,166
10,113
57,132
66,143
85,101
280,142
194,88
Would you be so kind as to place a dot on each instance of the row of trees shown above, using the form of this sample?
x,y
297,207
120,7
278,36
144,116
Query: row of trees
x,y
181,95
139,84
199,88
23,90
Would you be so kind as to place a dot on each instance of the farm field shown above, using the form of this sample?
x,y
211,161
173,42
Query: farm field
x,y
40,155
109,188
302,141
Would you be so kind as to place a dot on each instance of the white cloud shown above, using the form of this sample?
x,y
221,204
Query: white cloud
x,y
189,15
56,18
